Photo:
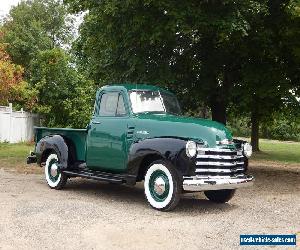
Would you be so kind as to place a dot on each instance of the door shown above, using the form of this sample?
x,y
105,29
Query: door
x,y
106,141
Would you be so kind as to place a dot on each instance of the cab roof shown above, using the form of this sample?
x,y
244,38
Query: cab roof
x,y
131,86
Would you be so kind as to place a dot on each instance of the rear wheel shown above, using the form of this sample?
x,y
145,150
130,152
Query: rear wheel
x,y
220,196
54,177
162,186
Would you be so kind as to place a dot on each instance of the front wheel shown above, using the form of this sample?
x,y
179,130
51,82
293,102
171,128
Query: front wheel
x,y
220,196
162,186
54,177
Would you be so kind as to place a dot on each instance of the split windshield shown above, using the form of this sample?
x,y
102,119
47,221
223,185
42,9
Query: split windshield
x,y
147,101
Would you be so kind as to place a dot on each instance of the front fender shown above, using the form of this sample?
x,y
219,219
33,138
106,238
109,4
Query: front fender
x,y
170,149
53,143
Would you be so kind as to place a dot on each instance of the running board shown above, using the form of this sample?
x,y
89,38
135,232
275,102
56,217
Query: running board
x,y
100,176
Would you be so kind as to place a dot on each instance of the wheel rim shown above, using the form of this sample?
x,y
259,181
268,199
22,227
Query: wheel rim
x,y
53,170
159,186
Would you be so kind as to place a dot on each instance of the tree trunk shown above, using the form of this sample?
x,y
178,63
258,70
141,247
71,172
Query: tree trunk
x,y
218,111
255,129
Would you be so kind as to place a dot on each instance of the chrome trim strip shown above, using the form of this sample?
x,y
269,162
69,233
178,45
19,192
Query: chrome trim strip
x,y
215,163
205,184
209,170
198,176
217,170
225,150
221,157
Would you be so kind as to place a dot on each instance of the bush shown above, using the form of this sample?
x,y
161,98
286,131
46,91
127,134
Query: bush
x,y
280,127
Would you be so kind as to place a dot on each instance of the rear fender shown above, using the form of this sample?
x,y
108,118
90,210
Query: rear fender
x,y
54,143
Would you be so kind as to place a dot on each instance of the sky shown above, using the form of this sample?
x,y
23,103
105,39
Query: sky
x,y
5,6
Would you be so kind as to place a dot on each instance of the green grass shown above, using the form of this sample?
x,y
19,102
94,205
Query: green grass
x,y
13,158
287,152
14,153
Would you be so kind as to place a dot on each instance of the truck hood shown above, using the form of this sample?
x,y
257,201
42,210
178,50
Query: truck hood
x,y
166,125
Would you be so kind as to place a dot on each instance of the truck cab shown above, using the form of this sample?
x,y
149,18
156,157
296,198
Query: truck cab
x,y
137,133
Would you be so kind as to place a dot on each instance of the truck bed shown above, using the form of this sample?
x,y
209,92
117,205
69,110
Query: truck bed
x,y
77,136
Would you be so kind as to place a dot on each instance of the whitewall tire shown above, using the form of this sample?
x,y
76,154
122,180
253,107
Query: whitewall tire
x,y
162,186
54,177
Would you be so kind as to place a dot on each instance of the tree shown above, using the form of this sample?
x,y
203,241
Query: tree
x,y
185,45
223,53
65,98
267,59
36,25
11,78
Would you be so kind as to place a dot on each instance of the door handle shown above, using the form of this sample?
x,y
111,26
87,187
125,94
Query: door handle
x,y
96,122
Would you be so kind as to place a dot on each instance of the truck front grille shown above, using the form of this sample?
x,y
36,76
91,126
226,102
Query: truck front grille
x,y
218,161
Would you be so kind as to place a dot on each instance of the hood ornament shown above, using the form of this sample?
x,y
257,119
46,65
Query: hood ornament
x,y
225,142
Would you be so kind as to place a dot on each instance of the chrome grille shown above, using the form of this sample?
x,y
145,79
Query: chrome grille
x,y
219,161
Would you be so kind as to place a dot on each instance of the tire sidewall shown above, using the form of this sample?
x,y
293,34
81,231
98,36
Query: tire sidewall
x,y
50,159
220,196
171,199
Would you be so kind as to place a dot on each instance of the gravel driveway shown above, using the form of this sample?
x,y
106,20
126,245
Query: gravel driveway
x,y
93,215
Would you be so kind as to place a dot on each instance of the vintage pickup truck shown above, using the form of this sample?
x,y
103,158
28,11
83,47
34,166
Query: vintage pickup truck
x,y
136,134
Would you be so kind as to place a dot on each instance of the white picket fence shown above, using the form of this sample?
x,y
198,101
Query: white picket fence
x,y
16,126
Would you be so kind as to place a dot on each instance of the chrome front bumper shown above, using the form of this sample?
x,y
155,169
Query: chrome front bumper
x,y
195,183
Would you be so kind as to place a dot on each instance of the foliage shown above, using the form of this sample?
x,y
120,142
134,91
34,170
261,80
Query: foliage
x,y
282,125
236,57
37,33
267,56
12,84
185,45
239,126
220,53
36,25
285,125
65,97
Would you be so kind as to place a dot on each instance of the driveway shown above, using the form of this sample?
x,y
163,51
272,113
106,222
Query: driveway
x,y
95,215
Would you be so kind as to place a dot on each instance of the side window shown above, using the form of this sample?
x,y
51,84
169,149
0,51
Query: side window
x,y
121,106
108,104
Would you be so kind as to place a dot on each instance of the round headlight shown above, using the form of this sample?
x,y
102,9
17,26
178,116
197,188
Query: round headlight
x,y
247,150
191,149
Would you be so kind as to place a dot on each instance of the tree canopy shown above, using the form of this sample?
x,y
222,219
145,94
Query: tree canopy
x,y
36,25
65,97
225,54
37,35
12,83
236,57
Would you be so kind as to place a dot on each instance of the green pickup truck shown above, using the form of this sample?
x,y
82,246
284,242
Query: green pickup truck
x,y
136,134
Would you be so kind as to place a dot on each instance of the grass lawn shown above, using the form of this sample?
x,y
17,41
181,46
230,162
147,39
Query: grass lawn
x,y
271,150
13,156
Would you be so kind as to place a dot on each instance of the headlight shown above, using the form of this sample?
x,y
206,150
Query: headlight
x,y
191,149
247,150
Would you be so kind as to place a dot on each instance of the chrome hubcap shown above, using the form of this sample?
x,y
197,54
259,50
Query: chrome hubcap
x,y
53,170
159,186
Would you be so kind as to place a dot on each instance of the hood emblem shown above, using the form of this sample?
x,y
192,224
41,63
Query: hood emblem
x,y
225,142
142,132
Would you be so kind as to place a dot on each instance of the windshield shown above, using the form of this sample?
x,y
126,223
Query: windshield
x,y
144,101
